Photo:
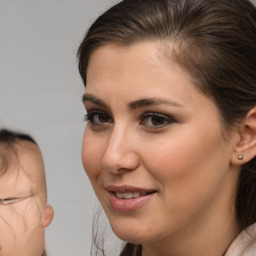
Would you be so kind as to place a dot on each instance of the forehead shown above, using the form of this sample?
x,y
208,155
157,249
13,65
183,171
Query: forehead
x,y
25,168
136,71
126,57
30,157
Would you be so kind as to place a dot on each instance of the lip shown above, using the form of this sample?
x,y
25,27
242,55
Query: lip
x,y
128,205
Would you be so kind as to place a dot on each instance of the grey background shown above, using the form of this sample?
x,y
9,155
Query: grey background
x,y
40,93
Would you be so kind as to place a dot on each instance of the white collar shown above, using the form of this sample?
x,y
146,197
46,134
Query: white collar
x,y
244,244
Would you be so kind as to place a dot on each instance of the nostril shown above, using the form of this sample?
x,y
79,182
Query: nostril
x,y
120,161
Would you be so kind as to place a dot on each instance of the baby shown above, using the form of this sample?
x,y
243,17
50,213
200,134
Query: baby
x,y
24,213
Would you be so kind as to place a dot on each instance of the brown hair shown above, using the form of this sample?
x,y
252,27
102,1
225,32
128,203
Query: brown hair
x,y
214,40
8,139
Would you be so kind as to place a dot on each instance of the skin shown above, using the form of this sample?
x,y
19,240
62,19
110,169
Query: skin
x,y
183,156
22,223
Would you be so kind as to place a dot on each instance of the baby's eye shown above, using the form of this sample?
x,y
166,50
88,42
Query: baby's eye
x,y
10,200
98,118
156,120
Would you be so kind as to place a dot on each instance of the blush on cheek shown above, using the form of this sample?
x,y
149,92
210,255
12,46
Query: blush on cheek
x,y
91,167
180,160
92,154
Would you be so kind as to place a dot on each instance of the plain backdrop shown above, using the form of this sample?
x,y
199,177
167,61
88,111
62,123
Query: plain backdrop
x,y
40,94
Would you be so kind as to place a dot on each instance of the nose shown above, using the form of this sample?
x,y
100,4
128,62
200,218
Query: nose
x,y
120,154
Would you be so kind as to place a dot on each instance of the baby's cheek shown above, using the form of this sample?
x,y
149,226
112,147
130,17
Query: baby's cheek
x,y
24,216
19,225
32,211
11,228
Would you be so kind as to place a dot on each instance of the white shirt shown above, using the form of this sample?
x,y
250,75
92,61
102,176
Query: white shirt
x,y
244,244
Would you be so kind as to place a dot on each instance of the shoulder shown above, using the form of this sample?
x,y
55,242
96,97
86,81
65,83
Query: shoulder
x,y
244,244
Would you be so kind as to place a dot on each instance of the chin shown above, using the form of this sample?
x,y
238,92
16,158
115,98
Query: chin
x,y
133,233
131,238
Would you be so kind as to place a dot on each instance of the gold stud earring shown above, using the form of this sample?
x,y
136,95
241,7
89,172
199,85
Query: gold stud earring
x,y
240,157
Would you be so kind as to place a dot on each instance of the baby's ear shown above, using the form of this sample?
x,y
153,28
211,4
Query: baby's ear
x,y
47,216
245,149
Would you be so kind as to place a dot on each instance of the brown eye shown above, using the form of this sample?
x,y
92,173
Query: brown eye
x,y
98,118
103,118
156,120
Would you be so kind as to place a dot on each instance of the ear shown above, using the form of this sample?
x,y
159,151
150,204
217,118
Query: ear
x,y
47,216
245,149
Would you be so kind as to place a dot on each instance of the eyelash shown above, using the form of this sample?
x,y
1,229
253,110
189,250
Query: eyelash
x,y
90,117
161,117
9,201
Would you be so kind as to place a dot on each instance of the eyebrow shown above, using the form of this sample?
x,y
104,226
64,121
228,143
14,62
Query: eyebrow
x,y
152,102
135,104
93,99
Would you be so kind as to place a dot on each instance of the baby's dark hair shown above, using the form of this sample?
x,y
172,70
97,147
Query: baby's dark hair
x,y
8,139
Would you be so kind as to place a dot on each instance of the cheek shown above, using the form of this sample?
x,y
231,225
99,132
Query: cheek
x,y
22,216
7,234
92,153
191,158
12,226
189,173
20,229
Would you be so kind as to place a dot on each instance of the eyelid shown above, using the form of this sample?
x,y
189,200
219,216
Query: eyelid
x,y
11,200
152,114
156,114
90,113
167,119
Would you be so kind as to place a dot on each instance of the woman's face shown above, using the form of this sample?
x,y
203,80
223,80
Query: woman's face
x,y
153,147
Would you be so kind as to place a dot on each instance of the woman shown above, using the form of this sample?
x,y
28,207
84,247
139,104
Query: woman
x,y
171,137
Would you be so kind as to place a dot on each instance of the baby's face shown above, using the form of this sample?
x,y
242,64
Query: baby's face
x,y
23,205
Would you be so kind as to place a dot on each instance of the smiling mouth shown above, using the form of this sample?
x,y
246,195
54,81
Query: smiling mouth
x,y
131,195
128,199
128,192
